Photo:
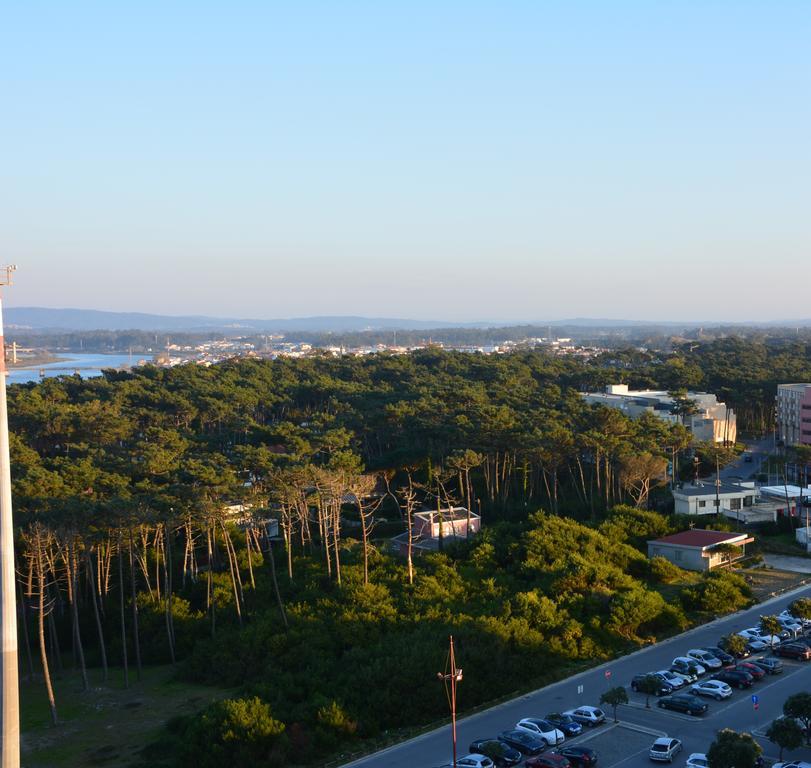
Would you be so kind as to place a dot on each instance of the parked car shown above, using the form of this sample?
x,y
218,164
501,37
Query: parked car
x,y
663,689
723,645
793,764
501,753
713,688
705,658
687,667
786,615
524,742
798,651
697,760
543,729
549,760
768,665
474,761
672,678
736,678
758,673
579,757
565,723
587,715
683,702
726,659
759,641
665,749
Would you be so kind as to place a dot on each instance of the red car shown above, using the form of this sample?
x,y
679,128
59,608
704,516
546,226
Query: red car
x,y
753,669
549,760
794,651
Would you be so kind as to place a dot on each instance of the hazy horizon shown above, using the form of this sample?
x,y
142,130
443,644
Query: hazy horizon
x,y
452,161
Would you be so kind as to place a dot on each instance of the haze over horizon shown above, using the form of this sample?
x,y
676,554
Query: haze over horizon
x,y
454,163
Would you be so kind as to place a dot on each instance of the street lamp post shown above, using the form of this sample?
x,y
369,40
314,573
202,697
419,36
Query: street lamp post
x,y
9,683
453,676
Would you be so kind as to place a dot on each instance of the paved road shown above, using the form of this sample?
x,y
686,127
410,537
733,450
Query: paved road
x,y
759,450
626,745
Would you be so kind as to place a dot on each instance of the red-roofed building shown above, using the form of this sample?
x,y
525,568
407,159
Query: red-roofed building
x,y
699,550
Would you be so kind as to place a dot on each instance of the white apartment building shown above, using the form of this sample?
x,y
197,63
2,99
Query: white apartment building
x,y
714,421
794,413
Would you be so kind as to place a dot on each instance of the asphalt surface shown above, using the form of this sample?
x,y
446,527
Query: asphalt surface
x,y
740,469
615,743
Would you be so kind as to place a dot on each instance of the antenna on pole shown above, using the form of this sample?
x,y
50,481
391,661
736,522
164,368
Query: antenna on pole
x,y
9,682
451,678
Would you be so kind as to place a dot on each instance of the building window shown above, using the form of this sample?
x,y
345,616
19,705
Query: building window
x,y
702,504
748,501
716,502
734,503
677,555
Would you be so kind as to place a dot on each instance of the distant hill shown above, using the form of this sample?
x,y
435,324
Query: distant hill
x,y
44,320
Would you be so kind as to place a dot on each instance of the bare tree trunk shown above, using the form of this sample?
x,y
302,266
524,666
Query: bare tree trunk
x,y
134,600
53,638
248,548
46,671
233,567
95,597
276,585
163,543
121,611
77,635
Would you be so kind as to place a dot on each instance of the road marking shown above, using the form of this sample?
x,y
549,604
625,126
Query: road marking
x,y
642,729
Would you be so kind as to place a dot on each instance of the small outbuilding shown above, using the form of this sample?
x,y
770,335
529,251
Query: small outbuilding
x,y
699,550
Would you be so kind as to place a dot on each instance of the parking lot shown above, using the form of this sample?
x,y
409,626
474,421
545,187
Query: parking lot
x,y
627,744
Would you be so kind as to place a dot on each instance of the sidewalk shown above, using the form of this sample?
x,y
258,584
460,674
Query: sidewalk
x,y
786,563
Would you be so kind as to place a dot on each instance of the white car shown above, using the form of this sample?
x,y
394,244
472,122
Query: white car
x,y
753,635
674,678
543,729
713,688
705,658
586,715
665,749
697,760
475,761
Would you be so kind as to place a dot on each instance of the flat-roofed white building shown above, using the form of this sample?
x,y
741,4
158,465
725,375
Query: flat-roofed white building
x,y
712,422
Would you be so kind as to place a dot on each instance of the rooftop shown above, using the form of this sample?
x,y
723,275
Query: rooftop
x,y
701,539
708,489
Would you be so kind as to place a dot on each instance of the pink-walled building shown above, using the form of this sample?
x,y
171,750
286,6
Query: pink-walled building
x,y
794,413
426,526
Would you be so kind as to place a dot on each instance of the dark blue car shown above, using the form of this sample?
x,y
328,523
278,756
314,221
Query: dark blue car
x,y
565,723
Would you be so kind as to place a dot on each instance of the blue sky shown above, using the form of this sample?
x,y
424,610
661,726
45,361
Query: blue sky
x,y
456,160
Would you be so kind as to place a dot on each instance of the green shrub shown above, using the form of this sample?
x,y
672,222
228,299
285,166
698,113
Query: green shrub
x,y
663,571
234,732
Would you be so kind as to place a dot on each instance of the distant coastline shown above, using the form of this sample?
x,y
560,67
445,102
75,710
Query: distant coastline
x,y
34,361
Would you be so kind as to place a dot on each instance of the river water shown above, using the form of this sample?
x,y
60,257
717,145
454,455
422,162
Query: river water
x,y
86,365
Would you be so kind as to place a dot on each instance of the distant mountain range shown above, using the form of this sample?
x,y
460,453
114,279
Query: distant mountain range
x,y
45,320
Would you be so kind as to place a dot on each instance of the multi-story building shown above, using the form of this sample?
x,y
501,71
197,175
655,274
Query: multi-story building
x,y
794,413
712,421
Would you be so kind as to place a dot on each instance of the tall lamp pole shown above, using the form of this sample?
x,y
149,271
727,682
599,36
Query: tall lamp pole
x,y
9,683
453,676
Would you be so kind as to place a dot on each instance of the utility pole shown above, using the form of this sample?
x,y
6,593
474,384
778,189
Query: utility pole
x,y
453,677
9,683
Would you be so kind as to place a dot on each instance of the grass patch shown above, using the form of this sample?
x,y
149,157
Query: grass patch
x,y
107,725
